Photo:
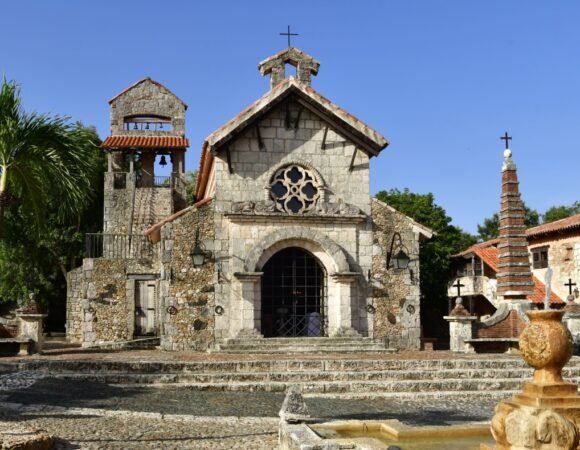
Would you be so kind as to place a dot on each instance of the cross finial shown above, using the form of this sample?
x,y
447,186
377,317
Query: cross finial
x,y
289,34
569,284
458,285
506,137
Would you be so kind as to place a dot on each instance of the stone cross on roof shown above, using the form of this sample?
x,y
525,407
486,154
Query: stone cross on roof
x,y
275,66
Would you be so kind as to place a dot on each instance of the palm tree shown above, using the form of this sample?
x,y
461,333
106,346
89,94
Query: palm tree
x,y
40,154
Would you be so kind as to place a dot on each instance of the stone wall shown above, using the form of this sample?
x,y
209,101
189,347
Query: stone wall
x,y
563,258
187,291
253,166
118,204
74,305
395,294
101,299
237,235
147,98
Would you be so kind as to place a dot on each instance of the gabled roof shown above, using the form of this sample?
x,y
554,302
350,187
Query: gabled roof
x,y
147,79
361,134
559,226
489,255
122,141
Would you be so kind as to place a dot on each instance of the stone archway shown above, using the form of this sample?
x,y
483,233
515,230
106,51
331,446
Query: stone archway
x,y
293,295
339,281
325,249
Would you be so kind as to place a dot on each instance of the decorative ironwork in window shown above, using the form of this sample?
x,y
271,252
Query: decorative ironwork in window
x,y
295,189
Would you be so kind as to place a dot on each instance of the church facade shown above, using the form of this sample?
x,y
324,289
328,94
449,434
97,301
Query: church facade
x,y
284,240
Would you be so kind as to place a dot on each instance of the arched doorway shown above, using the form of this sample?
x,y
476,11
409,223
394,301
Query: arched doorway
x,y
293,295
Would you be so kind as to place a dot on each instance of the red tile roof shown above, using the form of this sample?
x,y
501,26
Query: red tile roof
x,y
489,255
145,142
558,226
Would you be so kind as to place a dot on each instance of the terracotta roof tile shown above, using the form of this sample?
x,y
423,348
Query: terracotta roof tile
x,y
561,225
145,142
489,255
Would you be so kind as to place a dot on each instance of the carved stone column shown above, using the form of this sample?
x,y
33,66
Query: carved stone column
x,y
340,304
249,304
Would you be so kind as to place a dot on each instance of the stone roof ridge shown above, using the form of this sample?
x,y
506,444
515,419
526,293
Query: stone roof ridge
x,y
143,80
424,230
289,55
276,94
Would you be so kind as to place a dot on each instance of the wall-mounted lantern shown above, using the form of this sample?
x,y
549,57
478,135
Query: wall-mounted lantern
x,y
198,254
401,259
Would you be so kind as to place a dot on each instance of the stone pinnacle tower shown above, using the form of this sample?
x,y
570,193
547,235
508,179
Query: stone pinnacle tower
x,y
514,277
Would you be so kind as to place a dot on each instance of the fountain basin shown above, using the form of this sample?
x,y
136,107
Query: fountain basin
x,y
383,434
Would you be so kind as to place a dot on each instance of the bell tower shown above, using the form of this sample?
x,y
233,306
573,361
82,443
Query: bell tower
x,y
147,132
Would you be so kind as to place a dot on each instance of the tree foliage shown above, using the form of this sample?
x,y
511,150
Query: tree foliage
x,y
42,156
560,212
190,184
52,173
434,253
489,229
35,256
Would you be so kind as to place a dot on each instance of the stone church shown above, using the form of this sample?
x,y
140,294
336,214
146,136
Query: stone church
x,y
284,244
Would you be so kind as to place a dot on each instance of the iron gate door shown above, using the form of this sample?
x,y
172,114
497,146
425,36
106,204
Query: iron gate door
x,y
293,295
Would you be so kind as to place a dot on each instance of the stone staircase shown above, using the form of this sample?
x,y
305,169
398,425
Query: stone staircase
x,y
494,378
139,343
351,344
151,205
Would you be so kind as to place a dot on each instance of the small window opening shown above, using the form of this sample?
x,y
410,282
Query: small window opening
x,y
148,123
540,257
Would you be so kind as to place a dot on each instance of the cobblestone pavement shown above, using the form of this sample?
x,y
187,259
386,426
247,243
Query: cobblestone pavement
x,y
91,415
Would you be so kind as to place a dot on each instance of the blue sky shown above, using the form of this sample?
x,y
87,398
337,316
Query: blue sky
x,y
442,80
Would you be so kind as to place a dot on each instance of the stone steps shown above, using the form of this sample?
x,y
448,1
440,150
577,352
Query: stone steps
x,y
391,378
395,387
490,375
302,345
277,365
143,343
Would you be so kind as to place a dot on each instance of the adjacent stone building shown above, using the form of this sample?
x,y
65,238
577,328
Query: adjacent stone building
x,y
499,280
284,240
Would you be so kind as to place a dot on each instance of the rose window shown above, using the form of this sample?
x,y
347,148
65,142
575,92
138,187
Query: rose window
x,y
294,189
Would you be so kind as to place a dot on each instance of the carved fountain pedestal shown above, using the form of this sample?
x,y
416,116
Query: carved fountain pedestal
x,y
546,414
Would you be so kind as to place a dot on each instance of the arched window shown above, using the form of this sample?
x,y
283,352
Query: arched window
x,y
295,189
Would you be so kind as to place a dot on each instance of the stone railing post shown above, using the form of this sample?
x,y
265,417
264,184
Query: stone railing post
x,y
460,328
30,326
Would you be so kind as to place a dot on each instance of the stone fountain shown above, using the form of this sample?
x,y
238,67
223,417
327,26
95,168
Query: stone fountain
x,y
546,414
